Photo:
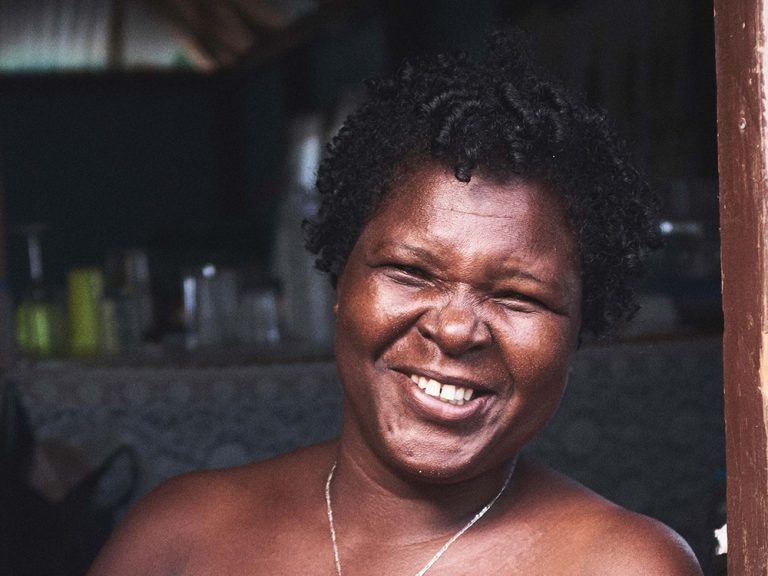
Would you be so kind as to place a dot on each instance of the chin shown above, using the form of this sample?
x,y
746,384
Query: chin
x,y
440,462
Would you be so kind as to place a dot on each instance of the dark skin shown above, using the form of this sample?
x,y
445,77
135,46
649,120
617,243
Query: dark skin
x,y
472,285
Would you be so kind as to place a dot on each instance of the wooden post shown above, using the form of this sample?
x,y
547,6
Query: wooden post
x,y
742,123
116,38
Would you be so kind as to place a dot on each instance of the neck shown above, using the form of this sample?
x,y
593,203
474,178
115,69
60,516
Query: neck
x,y
372,498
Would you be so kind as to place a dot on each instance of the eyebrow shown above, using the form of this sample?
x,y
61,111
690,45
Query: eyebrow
x,y
513,272
415,250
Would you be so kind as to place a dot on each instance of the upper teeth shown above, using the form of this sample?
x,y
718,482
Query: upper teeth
x,y
447,392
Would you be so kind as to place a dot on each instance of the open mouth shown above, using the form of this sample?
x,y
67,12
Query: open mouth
x,y
449,393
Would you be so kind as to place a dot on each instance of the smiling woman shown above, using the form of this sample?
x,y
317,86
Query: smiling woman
x,y
475,220
471,286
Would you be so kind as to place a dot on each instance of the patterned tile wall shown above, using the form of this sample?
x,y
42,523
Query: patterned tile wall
x,y
640,423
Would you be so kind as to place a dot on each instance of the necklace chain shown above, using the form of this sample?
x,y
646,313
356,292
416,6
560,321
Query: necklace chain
x,y
436,557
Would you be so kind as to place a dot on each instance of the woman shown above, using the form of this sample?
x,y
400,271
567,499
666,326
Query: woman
x,y
475,220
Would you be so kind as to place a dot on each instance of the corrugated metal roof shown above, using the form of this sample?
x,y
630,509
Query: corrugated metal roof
x,y
65,35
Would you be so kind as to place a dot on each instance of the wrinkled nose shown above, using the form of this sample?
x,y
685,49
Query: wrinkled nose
x,y
456,328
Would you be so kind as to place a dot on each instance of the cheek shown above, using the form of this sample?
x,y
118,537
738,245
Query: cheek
x,y
371,314
540,362
541,350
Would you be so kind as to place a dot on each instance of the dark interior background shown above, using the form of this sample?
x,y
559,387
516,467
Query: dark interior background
x,y
190,166
187,165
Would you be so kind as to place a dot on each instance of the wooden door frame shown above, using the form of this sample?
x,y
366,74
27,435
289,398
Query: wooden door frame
x,y
742,122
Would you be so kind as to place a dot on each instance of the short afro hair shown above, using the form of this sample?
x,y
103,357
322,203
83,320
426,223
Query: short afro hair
x,y
492,113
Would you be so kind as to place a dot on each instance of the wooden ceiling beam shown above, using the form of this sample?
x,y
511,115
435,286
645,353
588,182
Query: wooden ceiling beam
x,y
187,24
262,23
116,35
227,27
258,16
301,30
243,32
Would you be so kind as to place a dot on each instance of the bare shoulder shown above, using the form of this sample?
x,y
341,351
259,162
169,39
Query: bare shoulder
x,y
586,534
631,544
161,526
192,514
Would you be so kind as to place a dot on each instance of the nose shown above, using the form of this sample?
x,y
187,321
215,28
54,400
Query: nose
x,y
456,327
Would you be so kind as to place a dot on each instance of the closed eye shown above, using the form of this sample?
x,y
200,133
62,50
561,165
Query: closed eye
x,y
519,302
407,274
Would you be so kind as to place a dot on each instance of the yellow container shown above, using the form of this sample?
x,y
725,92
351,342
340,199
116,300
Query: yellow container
x,y
33,329
85,293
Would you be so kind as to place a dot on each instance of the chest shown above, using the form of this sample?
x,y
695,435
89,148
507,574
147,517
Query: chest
x,y
303,546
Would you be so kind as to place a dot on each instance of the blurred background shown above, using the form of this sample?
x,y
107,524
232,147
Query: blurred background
x,y
157,313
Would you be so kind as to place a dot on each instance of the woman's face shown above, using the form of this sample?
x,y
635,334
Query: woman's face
x,y
452,288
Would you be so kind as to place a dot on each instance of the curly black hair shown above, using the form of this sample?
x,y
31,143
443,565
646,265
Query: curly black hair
x,y
497,114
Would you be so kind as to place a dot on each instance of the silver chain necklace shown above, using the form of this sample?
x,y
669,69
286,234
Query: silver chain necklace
x,y
445,546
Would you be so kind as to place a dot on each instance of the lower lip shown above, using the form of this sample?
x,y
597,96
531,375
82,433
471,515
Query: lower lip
x,y
437,410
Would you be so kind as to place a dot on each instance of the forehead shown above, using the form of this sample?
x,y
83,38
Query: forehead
x,y
432,196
